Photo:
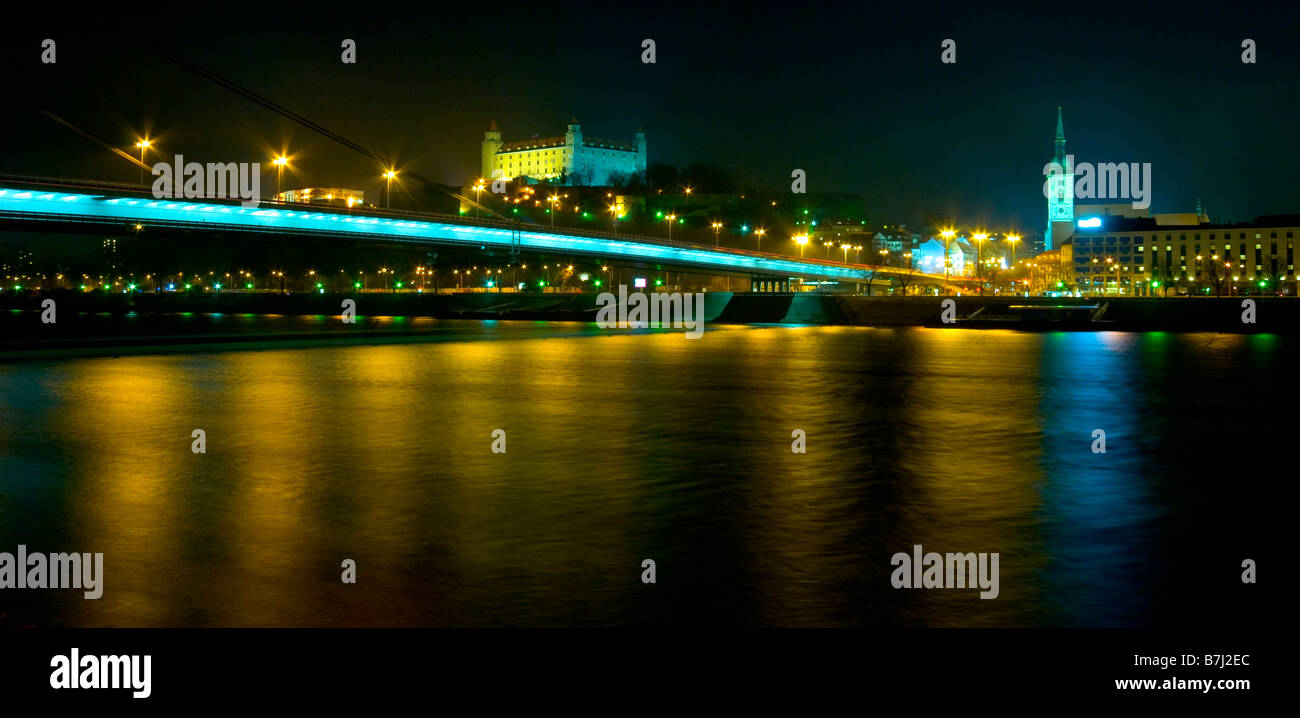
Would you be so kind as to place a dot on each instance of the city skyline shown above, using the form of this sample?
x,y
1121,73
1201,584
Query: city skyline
x,y
878,124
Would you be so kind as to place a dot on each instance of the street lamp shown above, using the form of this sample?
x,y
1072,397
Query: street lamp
x,y
553,199
388,194
801,240
947,262
717,226
671,218
279,162
758,239
1012,239
143,144
478,198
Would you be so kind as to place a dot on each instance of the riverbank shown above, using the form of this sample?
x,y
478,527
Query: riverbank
x,y
98,321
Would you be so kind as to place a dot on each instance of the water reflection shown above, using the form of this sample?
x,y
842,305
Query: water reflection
x,y
624,447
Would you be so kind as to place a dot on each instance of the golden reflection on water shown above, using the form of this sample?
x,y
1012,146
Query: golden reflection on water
x,y
620,447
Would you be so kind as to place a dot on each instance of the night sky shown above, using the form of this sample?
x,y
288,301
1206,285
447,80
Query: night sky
x,y
852,93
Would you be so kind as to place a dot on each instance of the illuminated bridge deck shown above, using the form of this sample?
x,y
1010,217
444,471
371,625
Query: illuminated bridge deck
x,y
43,210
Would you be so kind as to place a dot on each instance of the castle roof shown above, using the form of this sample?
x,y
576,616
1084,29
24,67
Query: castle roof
x,y
533,144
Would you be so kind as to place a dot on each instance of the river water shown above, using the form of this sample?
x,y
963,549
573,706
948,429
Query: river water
x,y
626,446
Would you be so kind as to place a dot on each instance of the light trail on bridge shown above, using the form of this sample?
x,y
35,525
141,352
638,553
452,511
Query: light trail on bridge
x,y
47,207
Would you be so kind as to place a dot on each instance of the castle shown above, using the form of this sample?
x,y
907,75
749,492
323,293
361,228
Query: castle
x,y
570,159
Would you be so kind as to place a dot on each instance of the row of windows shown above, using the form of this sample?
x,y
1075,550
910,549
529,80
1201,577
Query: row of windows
x,y
1196,237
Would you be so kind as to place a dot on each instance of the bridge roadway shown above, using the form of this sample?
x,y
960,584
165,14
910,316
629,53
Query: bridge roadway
x,y
48,205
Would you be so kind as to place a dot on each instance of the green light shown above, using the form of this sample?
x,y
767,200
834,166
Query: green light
x,y
318,285
187,286
131,287
541,284
218,286
597,282
399,285
357,285
246,286
659,282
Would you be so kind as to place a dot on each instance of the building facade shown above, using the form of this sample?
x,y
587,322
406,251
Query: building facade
x,y
1139,257
570,159
334,196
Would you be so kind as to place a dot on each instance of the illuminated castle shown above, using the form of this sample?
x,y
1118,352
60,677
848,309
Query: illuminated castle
x,y
569,159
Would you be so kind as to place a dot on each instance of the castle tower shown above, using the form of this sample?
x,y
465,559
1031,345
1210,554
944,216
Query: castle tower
x,y
1060,192
640,150
573,136
491,144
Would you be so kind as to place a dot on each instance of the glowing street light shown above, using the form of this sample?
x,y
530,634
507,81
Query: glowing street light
x,y
1013,239
280,161
947,261
717,226
758,238
143,144
388,194
801,240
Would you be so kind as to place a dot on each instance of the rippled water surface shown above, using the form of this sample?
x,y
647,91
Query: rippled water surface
x,y
624,447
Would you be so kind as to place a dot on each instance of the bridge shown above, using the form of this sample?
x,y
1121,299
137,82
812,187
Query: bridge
x,y
45,205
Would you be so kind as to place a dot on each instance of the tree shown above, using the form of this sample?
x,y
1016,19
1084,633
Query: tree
x,y
1216,273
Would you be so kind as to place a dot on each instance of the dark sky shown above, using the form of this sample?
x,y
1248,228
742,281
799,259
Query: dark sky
x,y
852,93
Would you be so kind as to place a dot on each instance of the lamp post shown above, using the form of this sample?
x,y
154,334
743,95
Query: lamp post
x,y
801,240
947,263
279,163
388,193
143,144
717,226
671,218
758,239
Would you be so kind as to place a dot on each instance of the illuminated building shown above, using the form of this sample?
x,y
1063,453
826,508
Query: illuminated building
x,y
335,196
1060,192
569,159
1144,256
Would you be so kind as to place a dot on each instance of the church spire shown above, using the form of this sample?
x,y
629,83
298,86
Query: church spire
x,y
1060,134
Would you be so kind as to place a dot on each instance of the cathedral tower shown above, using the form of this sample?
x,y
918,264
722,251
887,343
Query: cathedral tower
x,y
1060,191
